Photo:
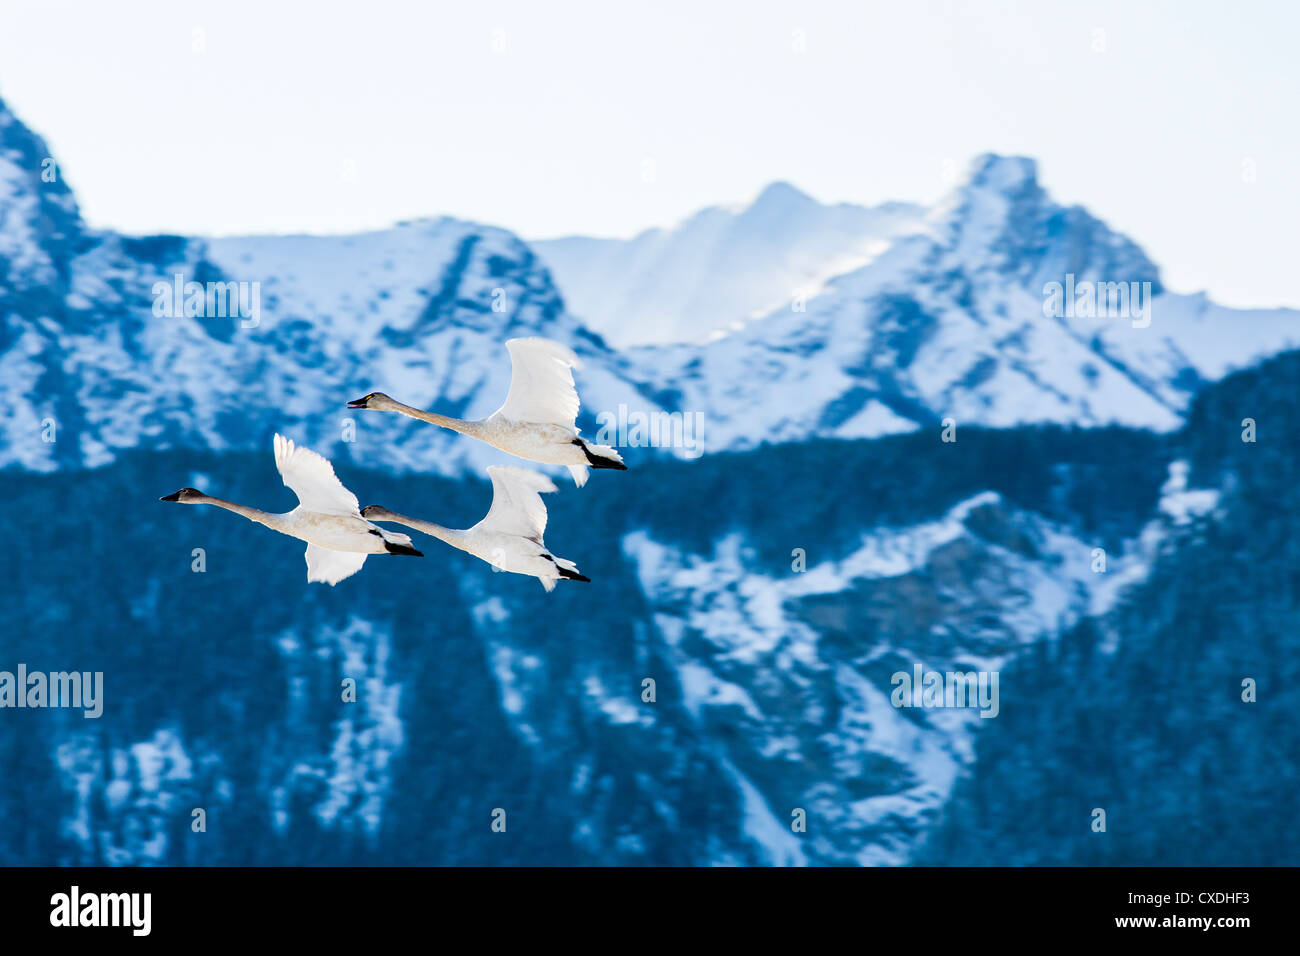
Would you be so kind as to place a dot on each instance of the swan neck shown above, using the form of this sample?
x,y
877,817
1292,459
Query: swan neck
x,y
433,418
252,514
448,535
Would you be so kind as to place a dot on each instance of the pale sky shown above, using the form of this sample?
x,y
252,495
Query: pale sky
x,y
1175,122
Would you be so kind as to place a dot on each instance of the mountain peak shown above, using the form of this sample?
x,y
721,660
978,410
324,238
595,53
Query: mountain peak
x,y
41,219
1002,218
995,187
1002,173
780,195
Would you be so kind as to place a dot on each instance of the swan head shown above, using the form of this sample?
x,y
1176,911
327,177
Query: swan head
x,y
376,513
374,400
186,496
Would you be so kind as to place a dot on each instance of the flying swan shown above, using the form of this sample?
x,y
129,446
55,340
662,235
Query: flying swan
x,y
537,420
510,536
327,517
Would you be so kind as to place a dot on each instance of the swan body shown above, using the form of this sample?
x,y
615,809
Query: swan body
x,y
510,536
537,420
328,516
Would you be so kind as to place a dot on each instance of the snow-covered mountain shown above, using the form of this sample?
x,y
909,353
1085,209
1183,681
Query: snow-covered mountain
x,y
952,322
772,678
39,221
773,673
421,311
103,357
797,667
719,268
943,317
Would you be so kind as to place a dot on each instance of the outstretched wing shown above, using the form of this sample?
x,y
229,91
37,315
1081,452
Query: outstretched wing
x,y
541,383
313,480
331,567
517,502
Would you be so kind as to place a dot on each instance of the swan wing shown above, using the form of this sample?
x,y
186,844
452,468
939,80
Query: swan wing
x,y
331,567
313,480
517,506
541,383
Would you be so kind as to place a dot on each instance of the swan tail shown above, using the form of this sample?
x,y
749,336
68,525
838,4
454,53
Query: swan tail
x,y
601,456
579,473
568,570
564,568
402,549
397,543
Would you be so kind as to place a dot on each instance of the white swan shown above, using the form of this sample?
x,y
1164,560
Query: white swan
x,y
537,420
327,517
510,536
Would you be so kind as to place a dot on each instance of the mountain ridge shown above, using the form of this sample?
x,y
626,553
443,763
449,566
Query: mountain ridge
x,y
944,320
952,322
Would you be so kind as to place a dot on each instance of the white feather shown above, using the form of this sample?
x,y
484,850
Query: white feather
x,y
312,479
331,567
328,517
538,419
510,535
541,383
517,507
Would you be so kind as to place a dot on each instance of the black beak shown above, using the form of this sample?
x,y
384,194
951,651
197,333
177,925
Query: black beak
x,y
358,403
175,496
